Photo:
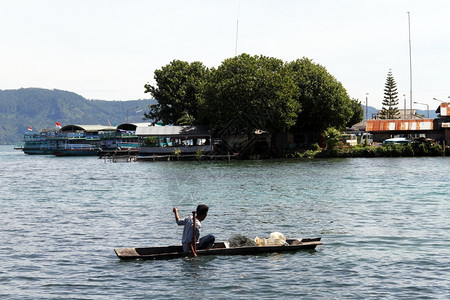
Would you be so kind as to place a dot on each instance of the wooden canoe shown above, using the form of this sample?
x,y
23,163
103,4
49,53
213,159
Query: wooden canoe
x,y
220,248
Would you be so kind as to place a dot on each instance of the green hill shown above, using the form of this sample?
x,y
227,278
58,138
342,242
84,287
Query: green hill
x,y
41,108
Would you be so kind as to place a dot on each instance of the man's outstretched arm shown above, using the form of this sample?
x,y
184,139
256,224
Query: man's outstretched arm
x,y
175,211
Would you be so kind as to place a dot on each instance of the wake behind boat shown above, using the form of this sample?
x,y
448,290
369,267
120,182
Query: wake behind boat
x,y
220,248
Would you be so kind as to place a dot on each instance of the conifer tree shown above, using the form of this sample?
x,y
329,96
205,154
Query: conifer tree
x,y
390,101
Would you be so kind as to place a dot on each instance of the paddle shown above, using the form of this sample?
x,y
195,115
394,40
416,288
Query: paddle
x,y
194,242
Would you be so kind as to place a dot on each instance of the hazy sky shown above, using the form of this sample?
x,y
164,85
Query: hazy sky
x,y
108,50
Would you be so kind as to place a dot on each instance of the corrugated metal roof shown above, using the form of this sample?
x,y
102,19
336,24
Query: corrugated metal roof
x,y
401,125
132,126
444,109
194,130
88,128
138,124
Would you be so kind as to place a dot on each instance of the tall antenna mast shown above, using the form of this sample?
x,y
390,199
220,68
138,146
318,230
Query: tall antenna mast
x,y
237,29
410,68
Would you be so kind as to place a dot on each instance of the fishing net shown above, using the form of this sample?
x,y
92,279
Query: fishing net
x,y
238,240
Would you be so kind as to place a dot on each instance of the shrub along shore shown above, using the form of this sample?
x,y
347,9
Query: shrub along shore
x,y
409,150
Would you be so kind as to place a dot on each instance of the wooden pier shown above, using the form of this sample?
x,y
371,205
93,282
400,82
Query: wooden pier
x,y
133,155
118,155
173,157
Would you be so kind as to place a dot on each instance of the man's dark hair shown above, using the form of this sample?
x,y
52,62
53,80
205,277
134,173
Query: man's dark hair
x,y
202,209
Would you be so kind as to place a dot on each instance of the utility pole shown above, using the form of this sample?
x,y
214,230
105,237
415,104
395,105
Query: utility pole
x,y
410,66
404,107
237,29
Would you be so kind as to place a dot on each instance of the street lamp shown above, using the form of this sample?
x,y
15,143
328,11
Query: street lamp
x,y
439,100
428,109
367,108
131,109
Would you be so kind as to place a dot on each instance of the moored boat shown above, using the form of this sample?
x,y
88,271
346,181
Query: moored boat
x,y
76,150
41,143
220,248
19,146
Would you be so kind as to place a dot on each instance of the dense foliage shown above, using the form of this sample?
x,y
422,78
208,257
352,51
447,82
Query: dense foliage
x,y
253,92
178,87
41,108
256,92
325,103
409,150
332,137
416,149
358,112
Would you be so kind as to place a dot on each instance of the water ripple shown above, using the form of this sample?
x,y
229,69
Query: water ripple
x,y
384,223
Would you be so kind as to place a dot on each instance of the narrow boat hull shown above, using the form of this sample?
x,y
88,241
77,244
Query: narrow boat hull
x,y
219,249
76,152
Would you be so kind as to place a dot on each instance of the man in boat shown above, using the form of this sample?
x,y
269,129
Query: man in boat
x,y
188,232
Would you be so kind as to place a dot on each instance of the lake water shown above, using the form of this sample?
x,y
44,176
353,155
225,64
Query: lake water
x,y
384,222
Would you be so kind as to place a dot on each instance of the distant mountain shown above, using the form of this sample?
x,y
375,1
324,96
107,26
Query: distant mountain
x,y
372,111
41,108
424,113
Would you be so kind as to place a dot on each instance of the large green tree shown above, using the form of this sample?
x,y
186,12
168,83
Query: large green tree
x,y
324,101
390,101
357,112
251,92
177,90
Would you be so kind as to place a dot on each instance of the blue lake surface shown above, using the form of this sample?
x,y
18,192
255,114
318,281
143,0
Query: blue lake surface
x,y
384,222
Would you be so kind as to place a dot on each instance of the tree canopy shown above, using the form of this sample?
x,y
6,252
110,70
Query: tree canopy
x,y
177,90
325,103
358,112
252,92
